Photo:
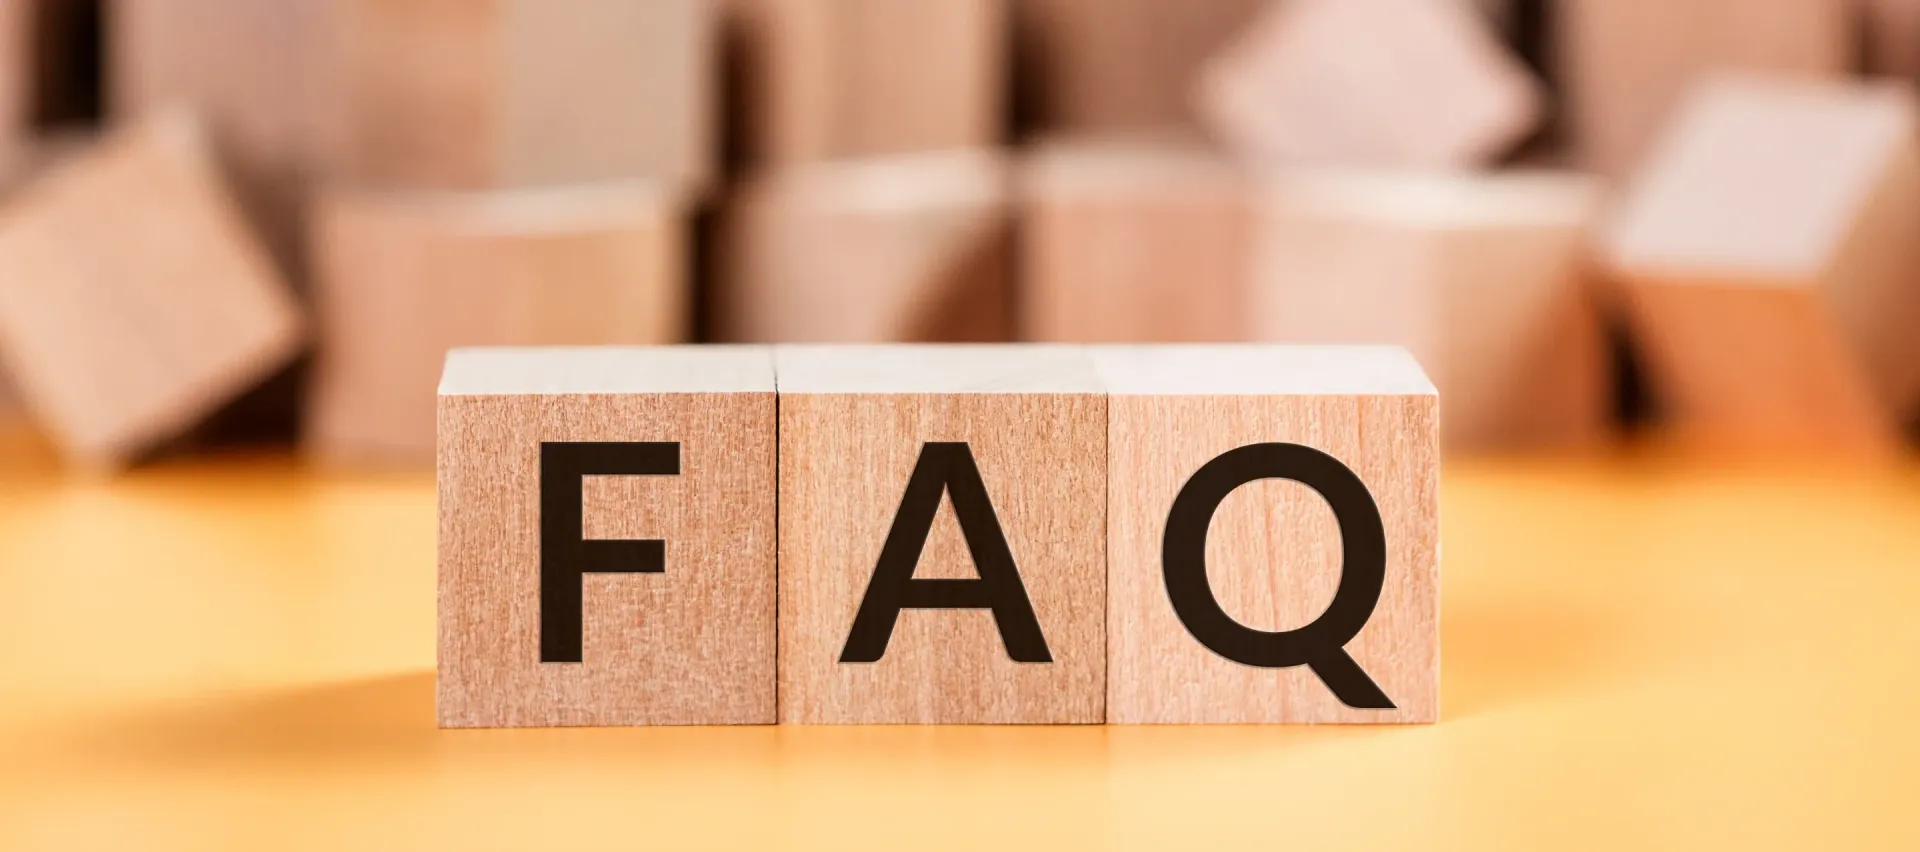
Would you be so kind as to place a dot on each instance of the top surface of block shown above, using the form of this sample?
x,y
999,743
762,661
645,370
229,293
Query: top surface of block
x,y
892,184
608,370
1760,175
1260,370
1440,201
935,369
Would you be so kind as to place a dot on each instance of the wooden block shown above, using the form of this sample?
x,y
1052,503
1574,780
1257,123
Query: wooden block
x,y
251,70
911,248
481,94
1133,243
1404,83
941,558
829,79
16,69
1283,483
1104,66
403,277
1893,38
1768,253
1623,64
1483,277
132,300
607,537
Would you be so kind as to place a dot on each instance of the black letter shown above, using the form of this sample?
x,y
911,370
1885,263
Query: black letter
x,y
949,467
565,555
1363,569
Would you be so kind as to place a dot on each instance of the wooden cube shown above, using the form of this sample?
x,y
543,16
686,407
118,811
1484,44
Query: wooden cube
x,y
830,79
480,94
1405,83
941,554
133,302
1105,66
1483,277
1133,243
607,537
403,277
1624,64
1769,252
911,248
1272,535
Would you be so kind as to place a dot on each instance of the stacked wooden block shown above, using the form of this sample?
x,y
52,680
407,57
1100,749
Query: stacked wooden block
x,y
890,534
875,202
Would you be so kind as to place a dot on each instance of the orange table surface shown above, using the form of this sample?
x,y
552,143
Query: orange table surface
x,y
1636,653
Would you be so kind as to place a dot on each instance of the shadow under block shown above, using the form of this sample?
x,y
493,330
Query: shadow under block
x,y
545,531
1769,253
133,300
1219,460
1485,278
1624,64
251,70
969,477
1132,243
834,79
485,94
403,277
1392,83
899,249
1107,66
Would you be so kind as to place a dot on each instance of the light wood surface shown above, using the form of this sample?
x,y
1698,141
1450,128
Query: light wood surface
x,y
1484,277
479,95
910,248
1106,66
1133,242
1777,305
1625,64
692,644
403,277
1272,548
833,79
133,300
855,424
1641,653
1396,83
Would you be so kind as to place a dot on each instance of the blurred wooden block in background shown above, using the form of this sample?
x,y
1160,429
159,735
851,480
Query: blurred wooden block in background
x,y
403,277
250,69
1769,250
557,468
1893,38
133,300
1105,66
483,94
1123,242
910,248
1483,277
1268,555
1398,83
907,472
831,79
16,69
1624,64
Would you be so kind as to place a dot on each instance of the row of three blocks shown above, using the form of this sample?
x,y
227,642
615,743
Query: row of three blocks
x,y
937,534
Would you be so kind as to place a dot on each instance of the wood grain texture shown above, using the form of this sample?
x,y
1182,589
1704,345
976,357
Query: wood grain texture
x,y
1273,548
1106,66
912,248
1776,306
1035,426
691,646
133,300
1399,83
1485,278
1624,64
403,277
1133,243
251,69
830,79
479,94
